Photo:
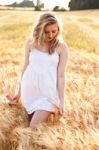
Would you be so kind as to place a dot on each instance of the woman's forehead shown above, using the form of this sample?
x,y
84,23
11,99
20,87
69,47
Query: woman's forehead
x,y
51,27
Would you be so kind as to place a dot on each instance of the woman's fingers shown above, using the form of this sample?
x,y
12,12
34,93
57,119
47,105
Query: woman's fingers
x,y
10,98
61,111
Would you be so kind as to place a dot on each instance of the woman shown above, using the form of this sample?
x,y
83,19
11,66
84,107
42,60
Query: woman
x,y
42,85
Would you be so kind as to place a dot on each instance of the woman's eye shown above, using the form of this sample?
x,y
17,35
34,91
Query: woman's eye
x,y
46,32
53,31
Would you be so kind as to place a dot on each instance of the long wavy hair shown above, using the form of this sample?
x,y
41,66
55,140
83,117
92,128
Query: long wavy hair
x,y
39,34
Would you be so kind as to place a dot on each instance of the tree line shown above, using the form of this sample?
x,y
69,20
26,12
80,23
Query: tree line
x,y
37,4
73,4
83,4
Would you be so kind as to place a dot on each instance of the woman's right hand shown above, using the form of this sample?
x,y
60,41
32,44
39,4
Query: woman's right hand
x,y
14,99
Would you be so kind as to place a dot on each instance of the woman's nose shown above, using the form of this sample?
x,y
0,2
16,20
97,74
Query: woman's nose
x,y
50,35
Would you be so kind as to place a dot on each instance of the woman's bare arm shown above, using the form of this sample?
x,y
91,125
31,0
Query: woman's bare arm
x,y
61,71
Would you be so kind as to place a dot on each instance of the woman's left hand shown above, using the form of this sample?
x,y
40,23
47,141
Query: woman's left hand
x,y
61,109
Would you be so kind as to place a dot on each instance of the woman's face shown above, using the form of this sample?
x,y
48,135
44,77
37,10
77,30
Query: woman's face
x,y
51,32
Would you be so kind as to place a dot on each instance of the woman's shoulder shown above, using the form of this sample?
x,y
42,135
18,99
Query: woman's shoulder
x,y
29,43
62,47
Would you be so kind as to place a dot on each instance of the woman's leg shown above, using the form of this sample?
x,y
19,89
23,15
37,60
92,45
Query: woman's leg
x,y
38,117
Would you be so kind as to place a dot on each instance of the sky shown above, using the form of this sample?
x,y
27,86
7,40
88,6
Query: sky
x,y
47,3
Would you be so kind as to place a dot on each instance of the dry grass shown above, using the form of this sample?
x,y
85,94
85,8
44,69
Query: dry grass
x,y
3,140
79,129
12,116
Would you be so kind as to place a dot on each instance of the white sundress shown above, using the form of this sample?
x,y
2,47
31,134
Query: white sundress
x,y
39,82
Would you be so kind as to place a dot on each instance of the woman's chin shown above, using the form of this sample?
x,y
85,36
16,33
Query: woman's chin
x,y
49,40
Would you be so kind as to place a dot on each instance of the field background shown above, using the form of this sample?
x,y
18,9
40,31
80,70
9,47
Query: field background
x,y
81,33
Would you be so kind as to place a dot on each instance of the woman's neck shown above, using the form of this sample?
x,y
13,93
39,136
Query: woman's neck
x,y
43,47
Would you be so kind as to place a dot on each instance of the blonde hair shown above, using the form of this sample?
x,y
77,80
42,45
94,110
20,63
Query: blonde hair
x,y
39,34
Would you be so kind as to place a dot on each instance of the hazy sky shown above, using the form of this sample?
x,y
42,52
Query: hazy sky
x,y
48,3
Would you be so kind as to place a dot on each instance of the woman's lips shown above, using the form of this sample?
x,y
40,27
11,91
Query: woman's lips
x,y
50,38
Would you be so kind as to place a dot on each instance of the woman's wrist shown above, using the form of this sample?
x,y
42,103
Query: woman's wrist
x,y
61,100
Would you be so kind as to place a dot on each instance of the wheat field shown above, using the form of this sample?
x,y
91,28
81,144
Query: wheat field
x,y
79,129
